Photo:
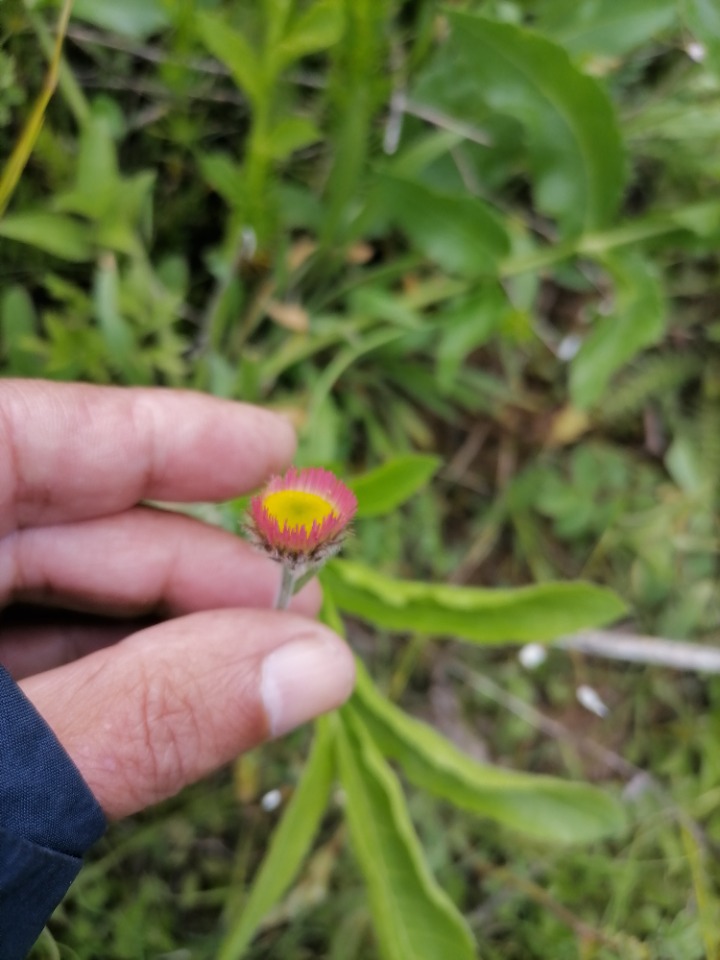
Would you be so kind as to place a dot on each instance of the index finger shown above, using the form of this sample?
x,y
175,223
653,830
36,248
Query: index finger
x,y
75,451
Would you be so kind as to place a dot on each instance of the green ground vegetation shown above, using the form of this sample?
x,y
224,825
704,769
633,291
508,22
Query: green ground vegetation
x,y
471,249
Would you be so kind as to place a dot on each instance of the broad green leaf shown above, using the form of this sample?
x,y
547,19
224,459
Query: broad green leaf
x,y
413,917
574,144
232,49
289,134
382,490
288,846
317,28
637,321
461,234
520,615
52,232
603,28
132,18
545,808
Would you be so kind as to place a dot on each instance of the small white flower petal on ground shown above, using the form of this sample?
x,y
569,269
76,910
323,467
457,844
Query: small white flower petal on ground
x,y
591,700
532,655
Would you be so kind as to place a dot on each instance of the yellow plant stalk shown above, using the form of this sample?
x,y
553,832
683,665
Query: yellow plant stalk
x,y
24,147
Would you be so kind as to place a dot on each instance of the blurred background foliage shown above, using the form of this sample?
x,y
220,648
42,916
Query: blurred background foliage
x,y
471,249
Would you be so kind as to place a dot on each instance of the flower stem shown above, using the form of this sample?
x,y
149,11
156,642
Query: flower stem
x,y
20,155
286,588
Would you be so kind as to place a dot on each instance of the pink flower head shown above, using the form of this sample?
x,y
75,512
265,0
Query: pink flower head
x,y
301,518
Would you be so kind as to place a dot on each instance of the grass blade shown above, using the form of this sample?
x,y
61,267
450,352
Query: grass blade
x,y
288,847
19,157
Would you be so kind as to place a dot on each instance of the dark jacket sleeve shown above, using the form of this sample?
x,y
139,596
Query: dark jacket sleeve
x,y
48,819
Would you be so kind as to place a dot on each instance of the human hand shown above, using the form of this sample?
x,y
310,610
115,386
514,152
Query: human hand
x,y
144,713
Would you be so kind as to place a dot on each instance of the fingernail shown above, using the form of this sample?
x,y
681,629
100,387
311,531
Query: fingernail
x,y
304,678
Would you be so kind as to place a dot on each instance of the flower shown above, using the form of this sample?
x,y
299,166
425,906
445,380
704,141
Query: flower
x,y
301,518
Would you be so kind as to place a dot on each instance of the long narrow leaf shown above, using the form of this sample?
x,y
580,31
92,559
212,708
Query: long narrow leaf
x,y
234,50
523,614
545,808
288,847
637,321
54,233
413,917
382,490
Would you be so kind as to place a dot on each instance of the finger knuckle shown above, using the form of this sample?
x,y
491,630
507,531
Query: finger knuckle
x,y
166,735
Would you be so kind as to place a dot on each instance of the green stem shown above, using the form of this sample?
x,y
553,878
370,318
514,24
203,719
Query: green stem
x,y
591,245
67,84
257,170
24,147
287,585
355,95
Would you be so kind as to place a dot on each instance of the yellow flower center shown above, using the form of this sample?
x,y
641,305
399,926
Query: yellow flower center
x,y
296,508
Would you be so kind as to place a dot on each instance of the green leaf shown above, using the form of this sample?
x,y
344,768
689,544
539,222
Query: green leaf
x,y
18,315
461,234
703,18
232,49
382,490
224,175
52,232
98,176
704,15
289,134
120,206
288,847
520,615
685,464
599,28
701,218
379,303
467,324
341,362
574,144
131,18
122,350
133,202
276,13
413,917
637,321
318,28
545,808
19,324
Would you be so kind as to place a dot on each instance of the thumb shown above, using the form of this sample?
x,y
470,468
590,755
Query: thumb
x,y
172,703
